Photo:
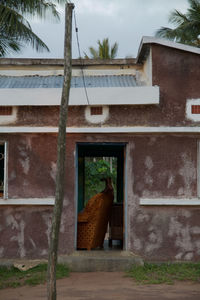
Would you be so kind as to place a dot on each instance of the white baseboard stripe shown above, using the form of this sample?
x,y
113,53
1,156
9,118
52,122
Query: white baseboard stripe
x,y
136,129
28,201
170,201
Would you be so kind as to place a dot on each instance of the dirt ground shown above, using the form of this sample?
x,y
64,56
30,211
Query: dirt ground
x,y
107,286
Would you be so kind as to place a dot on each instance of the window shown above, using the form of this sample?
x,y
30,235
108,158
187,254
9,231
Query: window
x,y
96,110
5,110
195,109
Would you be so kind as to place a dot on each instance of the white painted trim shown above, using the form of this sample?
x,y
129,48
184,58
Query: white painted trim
x,y
25,129
28,201
198,168
147,69
136,129
125,204
170,201
5,192
9,119
189,115
139,95
95,119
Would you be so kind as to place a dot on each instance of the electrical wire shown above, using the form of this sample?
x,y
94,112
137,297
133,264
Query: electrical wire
x,y
81,60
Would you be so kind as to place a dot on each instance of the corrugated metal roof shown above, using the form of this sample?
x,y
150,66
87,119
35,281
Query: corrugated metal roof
x,y
57,81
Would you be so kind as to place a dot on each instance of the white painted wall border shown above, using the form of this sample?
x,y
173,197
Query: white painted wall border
x,y
28,201
9,119
5,192
188,110
170,201
147,68
198,169
135,129
139,95
97,119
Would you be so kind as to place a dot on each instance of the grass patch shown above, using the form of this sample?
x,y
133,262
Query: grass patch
x,y
165,273
12,277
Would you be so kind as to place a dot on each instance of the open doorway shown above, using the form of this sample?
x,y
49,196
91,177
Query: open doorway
x,y
95,162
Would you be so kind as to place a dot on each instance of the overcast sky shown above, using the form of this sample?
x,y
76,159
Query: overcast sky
x,y
123,21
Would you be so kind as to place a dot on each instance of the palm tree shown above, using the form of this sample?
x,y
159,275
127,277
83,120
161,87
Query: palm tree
x,y
187,26
104,50
15,30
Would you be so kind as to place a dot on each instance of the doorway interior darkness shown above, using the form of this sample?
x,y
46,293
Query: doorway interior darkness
x,y
100,152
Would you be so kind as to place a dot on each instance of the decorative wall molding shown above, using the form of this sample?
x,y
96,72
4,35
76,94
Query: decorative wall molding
x,y
9,119
139,95
100,129
189,114
170,201
95,119
28,201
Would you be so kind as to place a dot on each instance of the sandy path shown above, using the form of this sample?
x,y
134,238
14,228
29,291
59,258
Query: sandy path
x,y
107,286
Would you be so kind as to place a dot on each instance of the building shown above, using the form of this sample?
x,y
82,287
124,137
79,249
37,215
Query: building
x,y
143,111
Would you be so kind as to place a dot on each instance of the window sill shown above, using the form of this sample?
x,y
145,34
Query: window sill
x,y
170,201
28,201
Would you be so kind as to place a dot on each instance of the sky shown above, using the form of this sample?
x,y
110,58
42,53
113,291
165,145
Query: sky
x,y
122,21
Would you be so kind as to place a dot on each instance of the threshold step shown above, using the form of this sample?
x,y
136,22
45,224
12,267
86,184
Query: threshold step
x,y
100,261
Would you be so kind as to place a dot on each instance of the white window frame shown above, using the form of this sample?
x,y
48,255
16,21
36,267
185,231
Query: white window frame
x,y
5,187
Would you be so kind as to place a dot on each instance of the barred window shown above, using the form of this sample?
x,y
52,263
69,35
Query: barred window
x,y
5,110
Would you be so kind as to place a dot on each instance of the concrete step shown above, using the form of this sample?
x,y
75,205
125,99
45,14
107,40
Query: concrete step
x,y
104,261
85,261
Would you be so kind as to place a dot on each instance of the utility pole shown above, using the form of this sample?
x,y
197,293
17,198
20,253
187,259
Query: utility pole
x,y
61,153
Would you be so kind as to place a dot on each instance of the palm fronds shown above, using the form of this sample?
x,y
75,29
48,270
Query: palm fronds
x,y
104,50
16,29
187,26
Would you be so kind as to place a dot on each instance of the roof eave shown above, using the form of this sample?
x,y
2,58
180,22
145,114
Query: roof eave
x,y
60,62
147,41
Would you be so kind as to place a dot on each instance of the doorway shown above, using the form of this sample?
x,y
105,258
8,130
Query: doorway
x,y
96,161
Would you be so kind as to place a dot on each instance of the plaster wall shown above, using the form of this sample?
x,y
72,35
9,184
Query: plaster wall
x,y
25,229
146,75
175,71
157,166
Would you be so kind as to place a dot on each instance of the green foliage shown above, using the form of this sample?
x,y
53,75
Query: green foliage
x,y
165,273
13,277
95,171
15,30
104,50
187,26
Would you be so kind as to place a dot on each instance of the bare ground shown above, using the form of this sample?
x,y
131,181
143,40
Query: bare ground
x,y
107,286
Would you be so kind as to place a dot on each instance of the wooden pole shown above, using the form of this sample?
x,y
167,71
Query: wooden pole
x,y
61,153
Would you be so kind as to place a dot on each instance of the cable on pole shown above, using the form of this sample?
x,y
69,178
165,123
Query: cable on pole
x,y
81,60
